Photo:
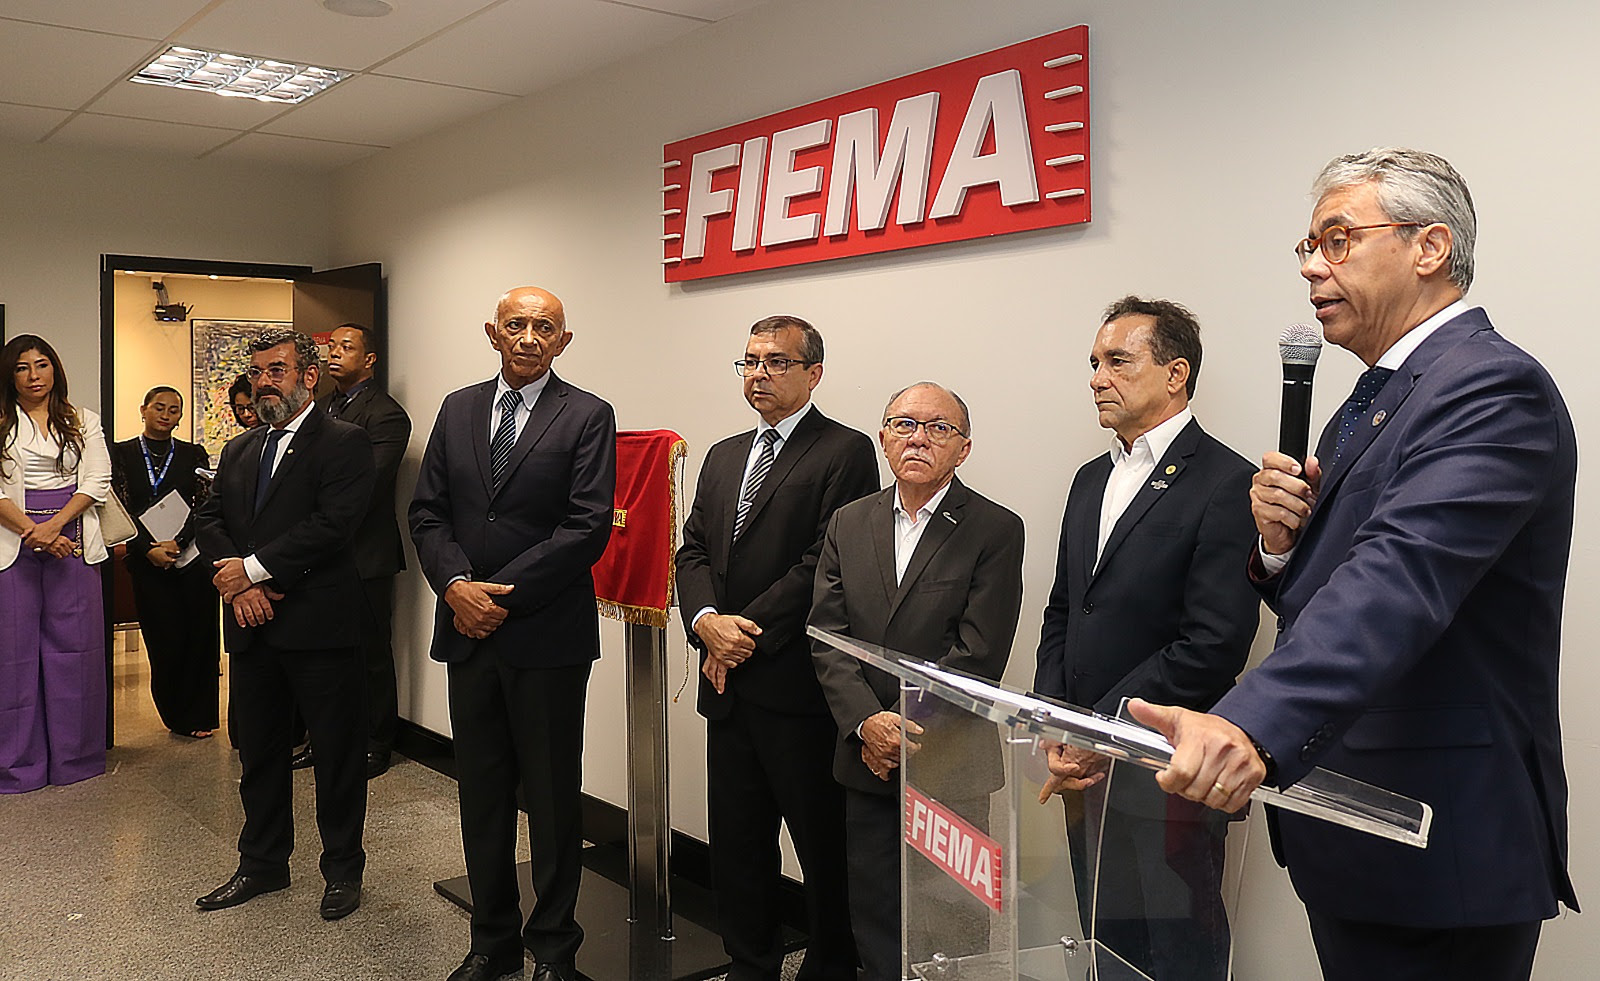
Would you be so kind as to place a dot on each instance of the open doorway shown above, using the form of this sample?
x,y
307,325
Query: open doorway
x,y
185,324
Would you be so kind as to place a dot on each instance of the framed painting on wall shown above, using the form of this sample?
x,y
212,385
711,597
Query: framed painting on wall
x,y
221,354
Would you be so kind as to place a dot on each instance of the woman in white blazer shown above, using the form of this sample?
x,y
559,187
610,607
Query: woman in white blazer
x,y
54,470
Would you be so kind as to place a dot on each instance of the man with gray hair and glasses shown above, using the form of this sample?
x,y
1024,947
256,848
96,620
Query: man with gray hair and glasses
x,y
1417,563
277,527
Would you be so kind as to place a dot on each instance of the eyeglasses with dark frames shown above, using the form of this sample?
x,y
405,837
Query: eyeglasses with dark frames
x,y
775,366
939,432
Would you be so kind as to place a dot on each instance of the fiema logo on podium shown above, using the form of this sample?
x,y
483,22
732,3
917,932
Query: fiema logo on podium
x,y
988,145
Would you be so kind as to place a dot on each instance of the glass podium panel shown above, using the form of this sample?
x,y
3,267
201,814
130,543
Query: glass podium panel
x,y
1116,882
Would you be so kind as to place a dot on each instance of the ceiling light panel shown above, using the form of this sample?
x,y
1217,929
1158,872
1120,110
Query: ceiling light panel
x,y
239,76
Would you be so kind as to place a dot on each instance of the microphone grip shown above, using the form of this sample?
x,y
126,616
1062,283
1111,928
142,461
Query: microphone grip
x,y
1294,426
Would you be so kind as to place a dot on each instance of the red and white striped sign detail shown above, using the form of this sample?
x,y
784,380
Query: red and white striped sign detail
x,y
988,145
964,853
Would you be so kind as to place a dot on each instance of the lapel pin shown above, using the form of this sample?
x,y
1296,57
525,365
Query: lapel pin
x,y
948,516
1378,417
1159,484
1172,468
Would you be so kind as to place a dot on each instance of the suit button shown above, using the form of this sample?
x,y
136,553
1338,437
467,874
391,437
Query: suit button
x,y
490,515
1088,607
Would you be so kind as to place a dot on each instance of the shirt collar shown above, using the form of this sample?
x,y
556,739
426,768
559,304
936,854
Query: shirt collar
x,y
293,425
785,426
359,386
530,392
1157,440
1413,338
932,507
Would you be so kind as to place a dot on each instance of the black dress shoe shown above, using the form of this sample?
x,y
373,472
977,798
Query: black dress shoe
x,y
562,971
341,899
241,889
480,967
301,760
377,764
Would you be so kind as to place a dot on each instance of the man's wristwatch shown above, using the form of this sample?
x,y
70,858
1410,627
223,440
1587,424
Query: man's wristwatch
x,y
1271,779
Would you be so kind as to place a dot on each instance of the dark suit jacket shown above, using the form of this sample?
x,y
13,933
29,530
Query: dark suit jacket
x,y
1169,614
301,533
767,575
1419,644
131,479
377,546
541,530
957,605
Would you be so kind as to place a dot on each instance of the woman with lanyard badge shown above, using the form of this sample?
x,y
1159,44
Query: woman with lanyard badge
x,y
53,469
177,604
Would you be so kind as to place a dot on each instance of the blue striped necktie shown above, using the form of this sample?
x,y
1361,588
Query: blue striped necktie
x,y
264,473
505,436
752,483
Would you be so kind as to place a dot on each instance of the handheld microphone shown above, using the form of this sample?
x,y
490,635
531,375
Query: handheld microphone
x,y
1298,347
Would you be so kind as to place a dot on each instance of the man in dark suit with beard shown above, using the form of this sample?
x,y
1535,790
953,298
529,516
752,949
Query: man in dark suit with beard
x,y
277,528
513,507
359,400
1150,601
745,575
932,569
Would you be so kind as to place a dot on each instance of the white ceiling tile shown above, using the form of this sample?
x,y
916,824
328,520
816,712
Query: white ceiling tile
x,y
705,9
305,31
153,19
373,109
574,36
184,106
25,124
291,151
141,134
60,67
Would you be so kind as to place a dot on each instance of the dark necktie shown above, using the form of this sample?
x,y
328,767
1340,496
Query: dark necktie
x,y
1367,388
505,436
752,483
264,474
337,403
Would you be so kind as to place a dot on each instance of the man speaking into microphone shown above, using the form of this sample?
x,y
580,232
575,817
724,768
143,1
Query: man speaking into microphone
x,y
1417,562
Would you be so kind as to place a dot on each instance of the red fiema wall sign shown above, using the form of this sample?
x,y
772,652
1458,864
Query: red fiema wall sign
x,y
988,145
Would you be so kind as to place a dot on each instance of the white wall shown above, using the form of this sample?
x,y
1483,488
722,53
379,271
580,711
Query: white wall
x,y
62,207
1209,123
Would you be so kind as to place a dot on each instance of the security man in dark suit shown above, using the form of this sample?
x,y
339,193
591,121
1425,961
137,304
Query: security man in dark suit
x,y
745,575
512,509
277,528
358,400
1418,563
930,568
1150,601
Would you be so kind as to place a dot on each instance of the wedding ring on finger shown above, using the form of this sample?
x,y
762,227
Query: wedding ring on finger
x,y
1218,788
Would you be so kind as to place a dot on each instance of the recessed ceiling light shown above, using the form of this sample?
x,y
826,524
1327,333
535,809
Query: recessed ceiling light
x,y
359,8
238,75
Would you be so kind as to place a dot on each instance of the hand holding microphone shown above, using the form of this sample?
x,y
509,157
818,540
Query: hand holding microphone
x,y
1283,491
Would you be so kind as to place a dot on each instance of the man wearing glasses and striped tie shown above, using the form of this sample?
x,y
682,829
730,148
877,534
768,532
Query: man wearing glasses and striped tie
x,y
744,586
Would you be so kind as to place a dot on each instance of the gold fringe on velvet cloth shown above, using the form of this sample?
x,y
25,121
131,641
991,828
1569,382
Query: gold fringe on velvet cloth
x,y
635,578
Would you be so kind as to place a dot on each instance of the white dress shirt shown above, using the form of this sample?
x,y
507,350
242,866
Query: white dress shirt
x,y
524,409
1391,359
252,565
30,464
785,428
908,528
1131,467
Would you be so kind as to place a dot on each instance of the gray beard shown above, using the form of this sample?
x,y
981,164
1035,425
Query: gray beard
x,y
277,413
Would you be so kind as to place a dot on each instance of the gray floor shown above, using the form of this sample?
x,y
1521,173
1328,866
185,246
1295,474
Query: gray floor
x,y
99,879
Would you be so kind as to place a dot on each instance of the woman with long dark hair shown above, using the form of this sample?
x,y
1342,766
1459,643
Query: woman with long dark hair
x,y
178,606
54,469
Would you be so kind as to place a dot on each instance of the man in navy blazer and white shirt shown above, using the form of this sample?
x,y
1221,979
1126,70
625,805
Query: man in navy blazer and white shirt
x,y
512,509
1417,564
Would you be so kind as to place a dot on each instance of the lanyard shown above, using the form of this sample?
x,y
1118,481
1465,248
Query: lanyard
x,y
150,468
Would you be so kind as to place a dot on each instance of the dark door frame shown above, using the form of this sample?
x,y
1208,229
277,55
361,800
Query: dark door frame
x,y
110,265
